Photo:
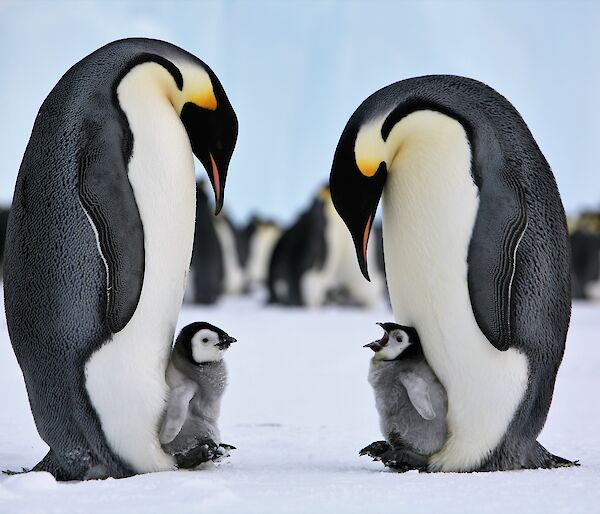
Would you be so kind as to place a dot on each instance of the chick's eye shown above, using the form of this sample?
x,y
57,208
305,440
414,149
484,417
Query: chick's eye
x,y
205,340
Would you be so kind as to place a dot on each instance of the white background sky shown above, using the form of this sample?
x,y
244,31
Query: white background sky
x,y
295,71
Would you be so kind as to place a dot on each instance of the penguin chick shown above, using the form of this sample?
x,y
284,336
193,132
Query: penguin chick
x,y
197,378
411,402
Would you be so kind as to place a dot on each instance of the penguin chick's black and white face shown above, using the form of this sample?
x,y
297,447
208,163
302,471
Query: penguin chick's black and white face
x,y
396,339
204,342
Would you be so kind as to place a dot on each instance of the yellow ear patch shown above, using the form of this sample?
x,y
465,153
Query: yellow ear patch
x,y
368,167
206,100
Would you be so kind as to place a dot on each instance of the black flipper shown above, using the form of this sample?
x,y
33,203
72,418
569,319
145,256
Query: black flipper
x,y
500,225
107,197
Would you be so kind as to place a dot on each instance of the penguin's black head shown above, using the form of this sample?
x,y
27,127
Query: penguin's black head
x,y
356,181
395,342
212,127
203,342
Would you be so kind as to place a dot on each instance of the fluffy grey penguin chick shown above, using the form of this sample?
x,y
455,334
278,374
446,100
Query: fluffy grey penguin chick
x,y
411,402
197,377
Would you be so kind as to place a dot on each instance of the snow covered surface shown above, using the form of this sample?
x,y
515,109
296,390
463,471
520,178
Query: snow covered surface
x,y
299,408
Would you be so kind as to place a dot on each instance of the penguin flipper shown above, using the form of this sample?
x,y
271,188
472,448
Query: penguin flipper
x,y
176,412
107,197
418,394
492,261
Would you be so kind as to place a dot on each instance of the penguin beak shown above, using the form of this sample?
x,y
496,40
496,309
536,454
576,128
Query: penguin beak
x,y
226,342
213,134
355,195
218,182
375,346
379,344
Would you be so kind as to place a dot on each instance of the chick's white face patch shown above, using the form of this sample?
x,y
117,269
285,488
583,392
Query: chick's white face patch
x,y
204,347
398,342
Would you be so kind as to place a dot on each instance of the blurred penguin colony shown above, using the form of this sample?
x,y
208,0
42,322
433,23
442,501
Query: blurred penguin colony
x,y
312,262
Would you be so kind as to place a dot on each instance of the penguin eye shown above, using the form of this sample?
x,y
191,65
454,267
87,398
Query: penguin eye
x,y
219,144
205,339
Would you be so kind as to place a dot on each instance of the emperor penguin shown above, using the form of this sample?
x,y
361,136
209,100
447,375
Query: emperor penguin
x,y
585,256
233,276
410,400
314,259
261,236
197,378
205,280
476,255
98,246
299,249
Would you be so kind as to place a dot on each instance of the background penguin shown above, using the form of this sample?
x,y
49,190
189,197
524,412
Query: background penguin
x,y
3,224
197,377
233,273
476,253
98,245
261,236
300,248
410,400
314,261
205,280
585,256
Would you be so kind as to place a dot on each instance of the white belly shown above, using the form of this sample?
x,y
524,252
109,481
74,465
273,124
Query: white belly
x,y
125,379
429,208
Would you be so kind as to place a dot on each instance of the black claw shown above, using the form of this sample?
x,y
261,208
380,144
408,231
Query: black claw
x,y
10,472
376,449
205,450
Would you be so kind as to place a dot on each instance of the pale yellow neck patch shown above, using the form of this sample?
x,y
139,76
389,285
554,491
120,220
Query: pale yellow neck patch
x,y
370,150
197,88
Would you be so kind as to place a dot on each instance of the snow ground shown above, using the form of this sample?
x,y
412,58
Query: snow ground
x,y
299,408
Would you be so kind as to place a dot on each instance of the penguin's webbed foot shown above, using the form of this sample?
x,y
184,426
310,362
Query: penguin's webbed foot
x,y
204,450
540,458
396,458
222,451
554,461
376,449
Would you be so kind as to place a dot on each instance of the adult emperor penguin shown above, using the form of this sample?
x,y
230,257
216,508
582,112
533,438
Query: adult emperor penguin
x,y
476,255
99,243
